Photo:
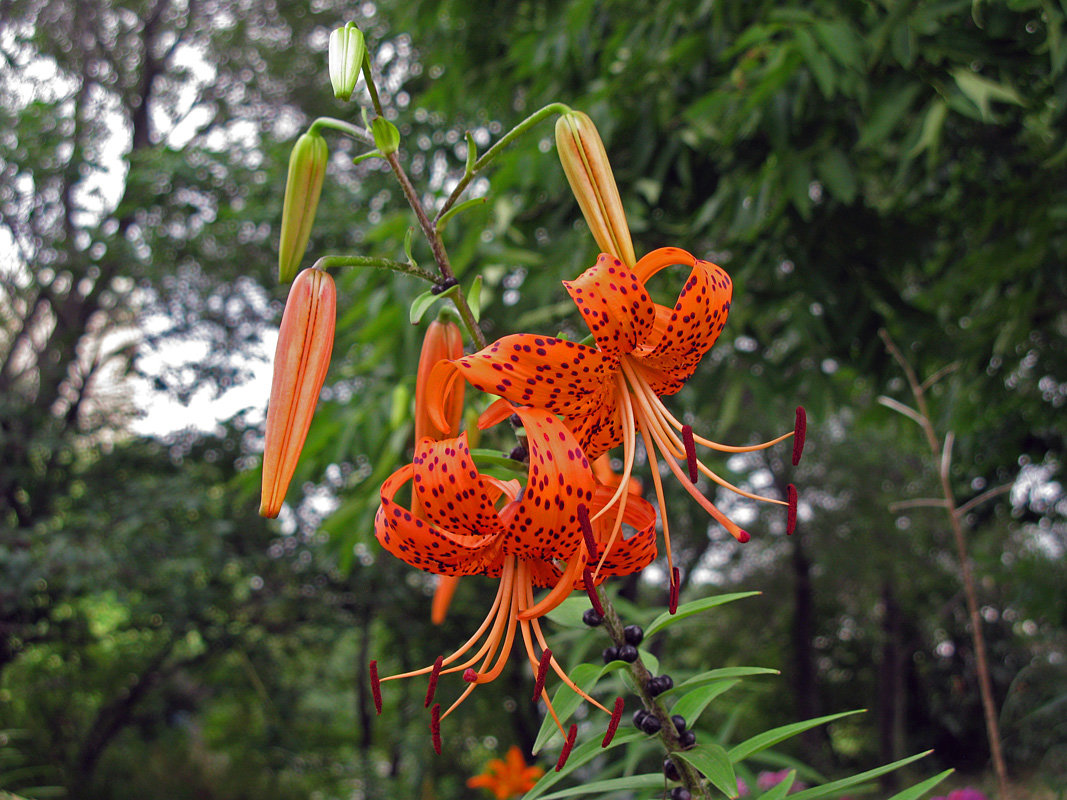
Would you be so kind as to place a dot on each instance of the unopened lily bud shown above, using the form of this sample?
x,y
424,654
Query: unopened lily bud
x,y
443,341
307,169
346,60
585,162
305,343
386,136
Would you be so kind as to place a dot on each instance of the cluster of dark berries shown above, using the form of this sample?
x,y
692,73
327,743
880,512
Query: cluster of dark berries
x,y
659,684
444,285
626,652
680,793
685,737
592,618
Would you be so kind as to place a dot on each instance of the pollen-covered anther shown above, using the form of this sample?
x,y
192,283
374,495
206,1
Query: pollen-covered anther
x,y
616,716
791,511
690,452
800,429
435,727
542,673
376,686
590,588
587,532
470,675
434,675
567,747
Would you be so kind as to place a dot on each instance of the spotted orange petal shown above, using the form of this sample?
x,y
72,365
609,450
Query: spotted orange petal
x,y
614,304
554,374
683,335
451,493
632,554
543,522
425,546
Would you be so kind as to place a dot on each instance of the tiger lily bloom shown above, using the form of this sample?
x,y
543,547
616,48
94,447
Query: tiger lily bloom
x,y
540,536
305,343
507,777
610,393
443,341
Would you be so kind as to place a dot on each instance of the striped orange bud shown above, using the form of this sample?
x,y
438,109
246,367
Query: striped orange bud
x,y
443,341
585,162
307,170
305,342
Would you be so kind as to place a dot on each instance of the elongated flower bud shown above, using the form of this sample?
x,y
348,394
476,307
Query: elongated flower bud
x,y
307,169
585,162
305,343
346,60
443,341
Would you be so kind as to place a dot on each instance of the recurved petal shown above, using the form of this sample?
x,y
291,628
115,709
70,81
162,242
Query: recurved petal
x,y
627,555
305,343
443,341
543,522
423,545
683,335
450,492
614,304
560,376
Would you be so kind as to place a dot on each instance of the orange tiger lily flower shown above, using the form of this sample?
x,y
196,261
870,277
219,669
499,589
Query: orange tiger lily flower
x,y
507,777
443,341
305,343
539,536
610,393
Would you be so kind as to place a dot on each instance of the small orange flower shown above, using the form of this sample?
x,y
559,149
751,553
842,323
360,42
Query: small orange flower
x,y
540,536
507,777
305,343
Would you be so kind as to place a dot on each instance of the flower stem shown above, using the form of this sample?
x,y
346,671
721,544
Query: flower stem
x,y
495,150
407,267
347,128
668,734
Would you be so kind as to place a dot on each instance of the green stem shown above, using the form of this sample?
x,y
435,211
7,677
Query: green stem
x,y
368,76
407,267
494,151
668,734
437,246
347,128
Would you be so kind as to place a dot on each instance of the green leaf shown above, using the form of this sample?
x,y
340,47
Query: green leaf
x,y
720,673
835,170
770,738
474,298
649,781
982,91
581,754
712,760
692,704
689,609
919,789
817,61
569,613
836,787
931,130
781,789
420,305
840,41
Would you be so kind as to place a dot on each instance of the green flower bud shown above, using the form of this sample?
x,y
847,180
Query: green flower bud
x,y
346,59
386,136
307,168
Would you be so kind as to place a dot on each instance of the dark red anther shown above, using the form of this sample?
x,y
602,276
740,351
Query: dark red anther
x,y
690,451
542,672
470,675
799,431
672,603
376,686
567,746
791,510
616,715
435,727
743,536
433,681
590,589
587,532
